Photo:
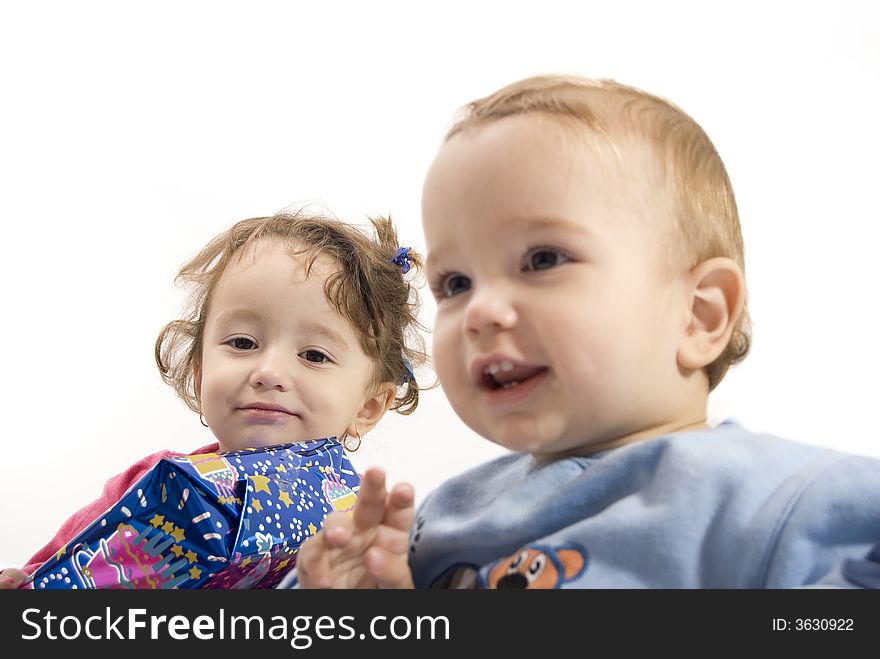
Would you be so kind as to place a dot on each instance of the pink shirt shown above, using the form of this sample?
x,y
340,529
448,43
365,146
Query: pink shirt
x,y
113,491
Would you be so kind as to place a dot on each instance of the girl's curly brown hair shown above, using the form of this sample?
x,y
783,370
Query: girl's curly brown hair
x,y
369,289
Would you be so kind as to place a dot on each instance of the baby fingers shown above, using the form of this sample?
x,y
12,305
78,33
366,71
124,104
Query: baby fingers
x,y
313,563
400,511
369,508
11,578
389,569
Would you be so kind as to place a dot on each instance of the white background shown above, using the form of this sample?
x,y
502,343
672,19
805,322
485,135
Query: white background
x,y
130,134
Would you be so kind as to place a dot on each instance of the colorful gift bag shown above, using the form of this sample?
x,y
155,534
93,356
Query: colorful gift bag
x,y
213,520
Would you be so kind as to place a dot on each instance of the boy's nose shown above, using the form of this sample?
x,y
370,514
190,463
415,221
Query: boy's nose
x,y
489,309
270,373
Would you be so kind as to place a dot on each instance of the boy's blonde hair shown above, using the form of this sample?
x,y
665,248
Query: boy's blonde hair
x,y
704,209
369,289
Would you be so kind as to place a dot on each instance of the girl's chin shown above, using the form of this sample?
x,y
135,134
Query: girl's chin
x,y
263,441
251,443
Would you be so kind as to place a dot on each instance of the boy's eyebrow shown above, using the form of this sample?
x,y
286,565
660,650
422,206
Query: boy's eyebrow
x,y
527,223
542,223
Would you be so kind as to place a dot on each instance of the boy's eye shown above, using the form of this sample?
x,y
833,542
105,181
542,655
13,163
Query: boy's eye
x,y
543,259
453,284
314,356
242,343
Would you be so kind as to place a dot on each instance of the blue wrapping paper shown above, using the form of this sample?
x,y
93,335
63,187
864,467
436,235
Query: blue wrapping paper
x,y
214,520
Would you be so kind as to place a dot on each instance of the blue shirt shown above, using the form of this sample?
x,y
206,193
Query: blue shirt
x,y
715,508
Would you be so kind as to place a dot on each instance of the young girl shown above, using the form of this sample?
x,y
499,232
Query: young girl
x,y
299,327
585,252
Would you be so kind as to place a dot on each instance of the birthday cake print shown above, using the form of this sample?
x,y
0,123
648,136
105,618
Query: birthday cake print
x,y
337,493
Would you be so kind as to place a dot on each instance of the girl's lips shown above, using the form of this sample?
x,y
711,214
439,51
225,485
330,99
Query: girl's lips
x,y
492,395
263,414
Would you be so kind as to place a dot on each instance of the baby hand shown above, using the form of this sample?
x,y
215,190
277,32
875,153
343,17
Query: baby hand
x,y
11,578
367,549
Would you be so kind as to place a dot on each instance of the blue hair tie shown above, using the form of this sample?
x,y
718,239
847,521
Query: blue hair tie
x,y
410,376
402,259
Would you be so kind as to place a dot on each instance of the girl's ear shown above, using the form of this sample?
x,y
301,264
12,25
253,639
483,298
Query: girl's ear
x,y
372,410
197,379
718,291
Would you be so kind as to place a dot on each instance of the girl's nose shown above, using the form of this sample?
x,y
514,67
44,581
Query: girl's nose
x,y
271,372
489,309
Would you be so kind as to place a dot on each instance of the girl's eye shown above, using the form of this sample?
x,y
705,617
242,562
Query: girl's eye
x,y
543,259
314,356
451,285
242,343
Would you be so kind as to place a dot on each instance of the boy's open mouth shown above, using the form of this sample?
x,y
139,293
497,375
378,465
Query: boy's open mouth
x,y
506,375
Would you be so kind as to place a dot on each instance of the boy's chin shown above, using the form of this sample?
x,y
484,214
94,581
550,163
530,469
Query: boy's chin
x,y
521,437
542,435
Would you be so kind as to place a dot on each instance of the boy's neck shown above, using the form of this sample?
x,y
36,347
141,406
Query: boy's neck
x,y
623,440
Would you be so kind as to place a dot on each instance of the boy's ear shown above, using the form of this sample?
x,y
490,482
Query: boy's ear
x,y
372,410
717,290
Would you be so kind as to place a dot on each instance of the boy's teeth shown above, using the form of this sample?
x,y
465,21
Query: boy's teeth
x,y
510,385
498,367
